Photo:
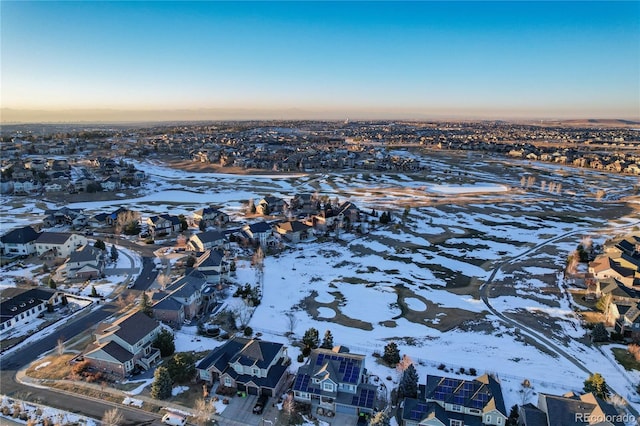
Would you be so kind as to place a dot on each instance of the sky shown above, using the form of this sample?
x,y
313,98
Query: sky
x,y
122,61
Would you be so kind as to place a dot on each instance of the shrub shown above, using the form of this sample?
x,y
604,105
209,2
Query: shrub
x,y
79,367
441,367
300,358
472,371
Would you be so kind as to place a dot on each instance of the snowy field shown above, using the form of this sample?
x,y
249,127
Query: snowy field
x,y
416,281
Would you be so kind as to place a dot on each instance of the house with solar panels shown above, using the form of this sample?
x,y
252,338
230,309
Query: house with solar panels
x,y
446,401
334,381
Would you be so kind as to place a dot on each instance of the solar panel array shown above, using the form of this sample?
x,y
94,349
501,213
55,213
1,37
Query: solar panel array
x,y
472,394
419,411
302,384
349,368
364,399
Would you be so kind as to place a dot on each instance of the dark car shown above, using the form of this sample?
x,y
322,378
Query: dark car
x,y
259,407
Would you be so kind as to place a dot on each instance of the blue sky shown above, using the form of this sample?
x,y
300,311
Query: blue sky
x,y
325,59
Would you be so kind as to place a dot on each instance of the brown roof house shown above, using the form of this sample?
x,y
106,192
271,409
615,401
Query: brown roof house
x,y
124,343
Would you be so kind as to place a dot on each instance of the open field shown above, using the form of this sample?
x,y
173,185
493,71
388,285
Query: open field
x,y
417,280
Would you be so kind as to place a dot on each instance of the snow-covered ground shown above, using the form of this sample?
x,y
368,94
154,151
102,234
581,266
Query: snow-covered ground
x,y
360,285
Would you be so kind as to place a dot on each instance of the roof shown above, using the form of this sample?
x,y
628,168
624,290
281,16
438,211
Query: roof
x,y
209,258
15,301
209,236
112,349
483,393
85,254
53,238
259,227
564,411
23,235
531,415
131,328
293,226
416,411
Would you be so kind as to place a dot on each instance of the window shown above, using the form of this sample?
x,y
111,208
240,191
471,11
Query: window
x,y
488,419
456,408
327,386
256,371
453,422
227,381
499,420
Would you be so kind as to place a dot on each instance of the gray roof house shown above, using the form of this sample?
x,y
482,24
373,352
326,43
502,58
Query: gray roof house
x,y
255,366
446,401
570,410
334,381
19,241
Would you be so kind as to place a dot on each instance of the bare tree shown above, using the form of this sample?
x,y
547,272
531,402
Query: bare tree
x,y
243,314
292,321
60,346
163,280
526,391
203,411
404,363
112,417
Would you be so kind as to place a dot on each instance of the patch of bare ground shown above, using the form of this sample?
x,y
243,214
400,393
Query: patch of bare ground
x,y
434,316
311,305
540,321
52,367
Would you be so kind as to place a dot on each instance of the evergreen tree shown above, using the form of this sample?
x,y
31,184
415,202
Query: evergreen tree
x,y
599,333
596,384
94,293
165,342
202,226
182,367
327,340
381,418
52,283
512,420
162,385
191,260
114,253
183,222
100,245
145,305
391,354
311,338
408,387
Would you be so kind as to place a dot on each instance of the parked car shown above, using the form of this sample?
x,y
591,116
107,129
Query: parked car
x,y
174,419
259,407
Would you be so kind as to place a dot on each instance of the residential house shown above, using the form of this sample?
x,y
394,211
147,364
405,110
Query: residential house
x,y
334,381
257,233
257,367
19,306
569,410
447,401
605,267
58,245
123,344
213,265
84,263
271,206
293,231
211,216
625,317
302,201
181,300
111,183
121,217
163,225
349,213
66,217
206,241
19,241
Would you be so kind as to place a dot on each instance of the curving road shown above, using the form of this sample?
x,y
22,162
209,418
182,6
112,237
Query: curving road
x,y
540,341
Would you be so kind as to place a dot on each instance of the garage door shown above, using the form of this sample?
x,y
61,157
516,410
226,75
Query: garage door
x,y
346,409
252,390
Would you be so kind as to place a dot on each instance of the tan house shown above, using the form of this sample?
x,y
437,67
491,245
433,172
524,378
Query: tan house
x,y
123,344
58,245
